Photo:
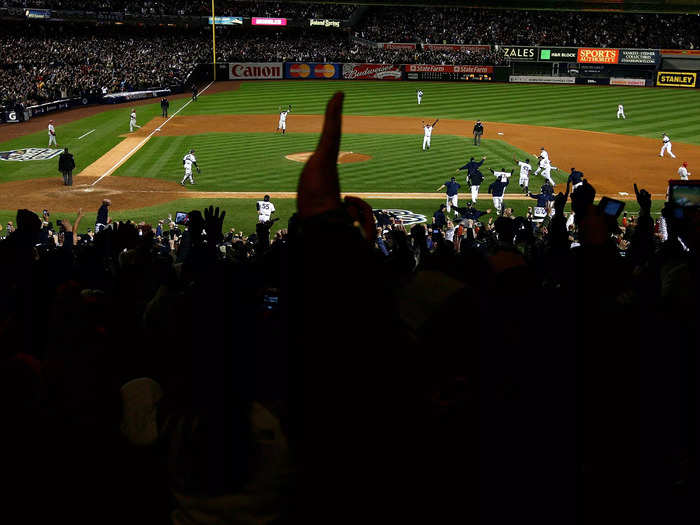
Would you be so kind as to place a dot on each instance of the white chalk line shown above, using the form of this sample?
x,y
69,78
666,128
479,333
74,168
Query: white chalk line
x,y
140,144
86,134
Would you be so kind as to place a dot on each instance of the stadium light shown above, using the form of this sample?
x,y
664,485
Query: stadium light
x,y
213,36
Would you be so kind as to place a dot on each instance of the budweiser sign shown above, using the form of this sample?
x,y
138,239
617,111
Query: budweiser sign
x,y
371,72
423,68
255,71
588,55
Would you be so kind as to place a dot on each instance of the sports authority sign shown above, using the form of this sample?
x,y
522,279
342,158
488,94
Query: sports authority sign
x,y
371,72
425,68
21,155
588,55
255,70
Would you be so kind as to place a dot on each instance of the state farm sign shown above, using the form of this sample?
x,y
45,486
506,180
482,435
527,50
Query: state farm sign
x,y
427,68
588,55
255,70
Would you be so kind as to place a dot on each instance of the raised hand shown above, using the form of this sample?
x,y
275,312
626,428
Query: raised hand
x,y
561,198
213,224
643,199
319,188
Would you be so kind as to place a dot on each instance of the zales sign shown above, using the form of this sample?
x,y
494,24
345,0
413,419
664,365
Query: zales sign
x,y
519,52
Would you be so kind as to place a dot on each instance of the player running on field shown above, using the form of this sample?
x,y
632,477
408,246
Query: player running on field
x,y
621,111
427,133
683,171
188,161
419,94
666,146
132,120
452,188
265,209
282,124
525,169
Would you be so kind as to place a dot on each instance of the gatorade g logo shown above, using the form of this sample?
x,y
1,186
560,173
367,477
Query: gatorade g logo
x,y
324,70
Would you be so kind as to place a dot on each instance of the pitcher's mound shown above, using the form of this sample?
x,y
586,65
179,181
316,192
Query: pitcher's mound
x,y
344,157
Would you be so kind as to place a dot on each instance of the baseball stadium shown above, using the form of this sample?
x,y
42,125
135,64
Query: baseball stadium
x,y
280,262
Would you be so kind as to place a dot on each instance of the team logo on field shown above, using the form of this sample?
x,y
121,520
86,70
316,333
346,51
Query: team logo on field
x,y
20,155
408,218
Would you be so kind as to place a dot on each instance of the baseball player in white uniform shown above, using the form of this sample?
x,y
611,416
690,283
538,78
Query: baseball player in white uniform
x,y
282,125
666,146
621,111
683,171
427,133
525,169
52,134
188,161
419,94
265,209
132,120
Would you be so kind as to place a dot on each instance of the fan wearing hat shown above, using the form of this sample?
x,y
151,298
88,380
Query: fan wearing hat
x,y
52,134
683,171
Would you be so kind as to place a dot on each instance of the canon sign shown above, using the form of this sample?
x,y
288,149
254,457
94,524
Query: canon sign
x,y
255,70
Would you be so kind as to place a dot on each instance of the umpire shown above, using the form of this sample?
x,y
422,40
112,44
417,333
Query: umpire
x,y
66,165
164,105
478,131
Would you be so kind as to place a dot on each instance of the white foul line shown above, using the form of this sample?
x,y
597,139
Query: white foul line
x,y
86,134
138,146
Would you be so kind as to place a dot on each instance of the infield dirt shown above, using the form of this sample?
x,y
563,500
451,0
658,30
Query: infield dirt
x,y
614,162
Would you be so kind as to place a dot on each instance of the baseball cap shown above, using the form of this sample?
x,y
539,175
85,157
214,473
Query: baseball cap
x,y
685,164
50,120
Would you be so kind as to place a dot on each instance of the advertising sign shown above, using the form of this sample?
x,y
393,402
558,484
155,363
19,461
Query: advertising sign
x,y
519,52
558,54
676,79
588,55
262,21
391,45
313,22
456,47
311,70
647,57
638,82
227,20
255,70
371,72
424,68
542,80
37,13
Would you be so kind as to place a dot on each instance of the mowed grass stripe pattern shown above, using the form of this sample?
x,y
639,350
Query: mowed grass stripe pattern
x,y
649,111
108,126
256,161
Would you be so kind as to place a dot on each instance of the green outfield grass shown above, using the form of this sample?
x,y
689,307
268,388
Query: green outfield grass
x,y
256,161
649,111
241,215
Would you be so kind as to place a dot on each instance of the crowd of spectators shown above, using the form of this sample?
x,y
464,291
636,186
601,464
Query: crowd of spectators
x,y
439,370
454,25
195,7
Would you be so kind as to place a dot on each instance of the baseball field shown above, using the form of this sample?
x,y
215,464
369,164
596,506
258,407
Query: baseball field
x,y
232,129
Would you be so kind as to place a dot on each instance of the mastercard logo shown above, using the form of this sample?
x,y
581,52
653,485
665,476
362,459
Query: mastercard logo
x,y
324,70
300,70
